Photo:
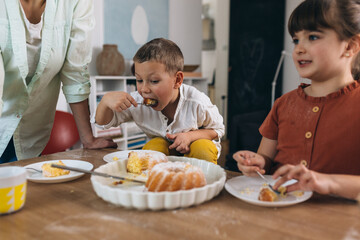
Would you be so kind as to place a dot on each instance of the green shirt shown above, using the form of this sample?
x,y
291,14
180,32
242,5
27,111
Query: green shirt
x,y
28,110
2,75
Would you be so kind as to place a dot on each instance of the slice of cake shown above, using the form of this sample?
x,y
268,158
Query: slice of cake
x,y
268,195
150,102
139,162
49,171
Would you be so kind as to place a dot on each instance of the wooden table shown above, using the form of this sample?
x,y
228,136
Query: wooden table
x,y
72,210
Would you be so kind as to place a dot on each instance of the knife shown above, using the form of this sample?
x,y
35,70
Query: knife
x,y
97,173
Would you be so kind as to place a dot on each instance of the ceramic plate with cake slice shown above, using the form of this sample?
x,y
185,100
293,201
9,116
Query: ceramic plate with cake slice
x,y
38,177
248,189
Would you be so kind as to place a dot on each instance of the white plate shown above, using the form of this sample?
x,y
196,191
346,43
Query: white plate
x,y
133,195
248,188
123,155
38,177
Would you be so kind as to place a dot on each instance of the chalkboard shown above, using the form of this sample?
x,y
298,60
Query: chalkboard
x,y
256,41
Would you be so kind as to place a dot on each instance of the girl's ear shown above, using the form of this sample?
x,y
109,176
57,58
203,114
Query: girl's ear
x,y
179,79
354,46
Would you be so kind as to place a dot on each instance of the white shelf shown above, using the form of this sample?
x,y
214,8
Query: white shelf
x,y
136,136
100,85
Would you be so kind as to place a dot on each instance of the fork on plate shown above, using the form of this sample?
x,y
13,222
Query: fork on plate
x,y
268,183
34,169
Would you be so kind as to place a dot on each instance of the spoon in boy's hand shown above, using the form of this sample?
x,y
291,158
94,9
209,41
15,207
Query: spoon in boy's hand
x,y
149,102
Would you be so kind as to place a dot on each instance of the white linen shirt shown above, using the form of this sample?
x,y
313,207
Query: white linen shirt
x,y
33,43
28,111
2,76
194,111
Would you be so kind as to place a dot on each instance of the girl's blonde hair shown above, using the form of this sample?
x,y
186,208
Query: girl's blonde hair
x,y
343,16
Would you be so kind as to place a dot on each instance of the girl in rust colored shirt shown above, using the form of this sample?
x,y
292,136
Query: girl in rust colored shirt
x,y
311,134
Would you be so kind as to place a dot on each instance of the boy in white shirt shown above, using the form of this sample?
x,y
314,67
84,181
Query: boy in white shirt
x,y
181,121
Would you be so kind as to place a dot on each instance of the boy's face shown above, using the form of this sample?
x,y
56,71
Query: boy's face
x,y
154,82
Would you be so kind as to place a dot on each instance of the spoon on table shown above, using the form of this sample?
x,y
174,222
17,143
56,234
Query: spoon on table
x,y
96,173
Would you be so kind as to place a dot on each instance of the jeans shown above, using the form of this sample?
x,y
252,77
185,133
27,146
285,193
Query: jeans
x,y
9,153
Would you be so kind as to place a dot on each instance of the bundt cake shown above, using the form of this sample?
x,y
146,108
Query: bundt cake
x,y
174,176
142,161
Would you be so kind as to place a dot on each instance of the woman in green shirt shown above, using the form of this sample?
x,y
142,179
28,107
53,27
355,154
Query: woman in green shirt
x,y
44,44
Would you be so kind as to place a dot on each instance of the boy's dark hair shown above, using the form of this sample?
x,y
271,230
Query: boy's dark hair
x,y
163,51
342,16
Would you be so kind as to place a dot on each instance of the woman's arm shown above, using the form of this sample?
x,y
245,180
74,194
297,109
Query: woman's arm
x,y
82,118
75,75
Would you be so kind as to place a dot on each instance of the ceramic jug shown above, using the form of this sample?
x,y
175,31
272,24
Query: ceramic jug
x,y
110,61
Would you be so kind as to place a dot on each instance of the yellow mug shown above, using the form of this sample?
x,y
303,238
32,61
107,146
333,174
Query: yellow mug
x,y
12,189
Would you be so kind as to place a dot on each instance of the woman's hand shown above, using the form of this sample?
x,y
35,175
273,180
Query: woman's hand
x,y
307,180
249,162
98,143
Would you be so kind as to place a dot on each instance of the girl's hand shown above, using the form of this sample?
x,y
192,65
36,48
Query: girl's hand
x,y
249,162
180,142
118,101
307,180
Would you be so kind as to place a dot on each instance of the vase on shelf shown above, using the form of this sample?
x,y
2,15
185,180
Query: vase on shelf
x,y
110,62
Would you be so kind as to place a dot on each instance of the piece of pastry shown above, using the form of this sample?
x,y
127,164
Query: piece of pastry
x,y
49,171
268,195
139,161
150,102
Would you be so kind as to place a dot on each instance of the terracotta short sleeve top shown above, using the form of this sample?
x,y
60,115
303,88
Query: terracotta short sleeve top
x,y
323,131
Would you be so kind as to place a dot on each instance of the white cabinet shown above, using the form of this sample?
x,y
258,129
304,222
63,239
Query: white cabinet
x,y
128,135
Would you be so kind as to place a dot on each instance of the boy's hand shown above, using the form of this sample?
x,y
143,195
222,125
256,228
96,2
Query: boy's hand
x,y
249,162
118,101
180,142
307,180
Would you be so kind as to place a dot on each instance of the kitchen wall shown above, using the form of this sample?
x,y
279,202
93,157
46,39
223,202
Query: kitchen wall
x,y
184,29
291,78
222,19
